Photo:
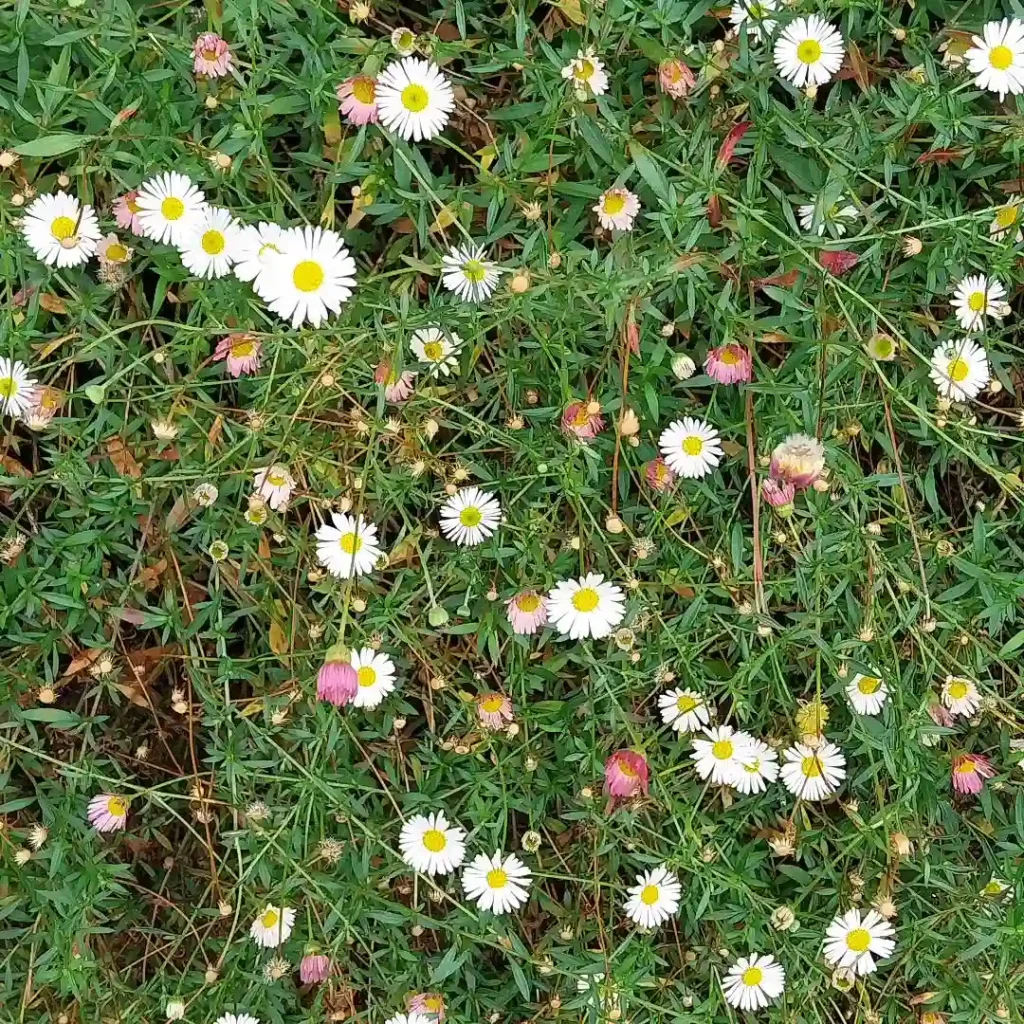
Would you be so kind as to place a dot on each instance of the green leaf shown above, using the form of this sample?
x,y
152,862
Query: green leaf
x,y
650,172
53,716
52,145
95,393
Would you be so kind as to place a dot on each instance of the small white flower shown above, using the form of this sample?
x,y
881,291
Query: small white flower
x,y
587,73
204,495
17,388
169,205
466,271
470,516
867,694
375,673
997,57
274,485
437,348
809,51
685,710
60,230
273,926
720,756
414,99
832,218
959,369
683,366
210,245
349,547
759,766
960,696
691,447
412,1018
852,941
755,15
813,773
175,1010
616,209
976,297
240,1018
753,982
429,844
255,249
499,883
654,898
588,606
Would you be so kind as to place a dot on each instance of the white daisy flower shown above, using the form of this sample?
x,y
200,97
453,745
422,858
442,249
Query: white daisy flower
x,y
867,694
312,277
833,219
720,757
654,898
753,982
412,1018
437,348
586,607
255,249
852,941
759,766
691,447
685,710
960,696
959,369
349,547
499,883
375,674
755,14
237,1018
274,485
470,516
273,926
809,51
168,206
976,297
997,57
60,230
587,72
1007,220
430,845
209,247
414,99
616,209
17,387
813,773
467,272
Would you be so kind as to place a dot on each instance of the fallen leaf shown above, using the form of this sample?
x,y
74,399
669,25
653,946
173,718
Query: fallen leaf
x,y
149,575
13,466
123,460
715,211
177,516
572,9
133,693
786,280
81,661
941,156
838,262
687,260
858,66
732,449
52,303
263,547
732,140
448,32
278,638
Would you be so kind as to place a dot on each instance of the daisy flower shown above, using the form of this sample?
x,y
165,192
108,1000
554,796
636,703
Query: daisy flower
x,y
729,364
654,898
314,968
1007,220
685,710
107,812
430,1004
579,420
375,677
753,982
976,297
527,612
626,775
241,352
349,547
809,51
240,1018
852,941
720,757
470,516
60,230
659,474
833,218
357,99
208,249
813,773
212,56
255,249
997,57
430,845
313,275
337,681
414,99
867,694
755,15
587,73
17,388
691,447
499,883
676,78
437,348
273,926
169,205
970,772
798,460
494,711
759,766
959,369
466,271
126,212
110,250
586,607
274,485
44,405
960,696
411,1018
616,209
397,386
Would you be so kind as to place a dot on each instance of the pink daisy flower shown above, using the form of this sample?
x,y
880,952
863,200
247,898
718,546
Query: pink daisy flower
x,y
337,682
527,612
799,460
212,56
676,78
494,711
729,364
126,212
242,352
314,968
108,813
659,474
970,772
357,99
579,421
397,386
778,493
428,1003
625,774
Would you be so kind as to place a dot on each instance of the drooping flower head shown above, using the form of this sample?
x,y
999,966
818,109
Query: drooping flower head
x,y
970,772
779,494
799,460
430,1004
397,386
494,711
626,775
241,351
676,78
527,612
212,56
729,364
337,681
126,212
583,420
357,99
314,968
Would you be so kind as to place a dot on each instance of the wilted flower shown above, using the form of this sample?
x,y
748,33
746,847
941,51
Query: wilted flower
x,y
337,681
799,460
37,835
397,386
779,494
625,774
676,78
683,366
204,495
729,364
578,419
494,710
313,968
241,351
212,56
659,474
970,772
430,1004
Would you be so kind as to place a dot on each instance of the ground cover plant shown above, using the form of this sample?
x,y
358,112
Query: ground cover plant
x,y
510,512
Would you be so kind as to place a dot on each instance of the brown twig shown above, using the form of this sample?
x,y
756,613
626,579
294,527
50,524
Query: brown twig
x,y
627,322
755,502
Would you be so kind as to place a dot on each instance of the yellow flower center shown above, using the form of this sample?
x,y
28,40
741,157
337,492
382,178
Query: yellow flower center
x,y
528,603
858,940
434,840
966,767
492,704
1000,57
209,54
117,807
365,90
869,684
350,543
367,675
470,516
132,205
116,253
722,749
172,208
308,276
685,704
497,879
730,357
811,767
269,919
809,51
433,350
415,98
626,769
752,976
432,1003
585,70
585,600
614,202
958,370
241,349
8,387
581,417
976,301
213,242
992,888
1006,216
957,689
474,271
275,480
649,895
693,445
62,227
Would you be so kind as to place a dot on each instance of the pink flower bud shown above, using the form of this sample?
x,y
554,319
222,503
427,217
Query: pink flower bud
x,y
337,683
